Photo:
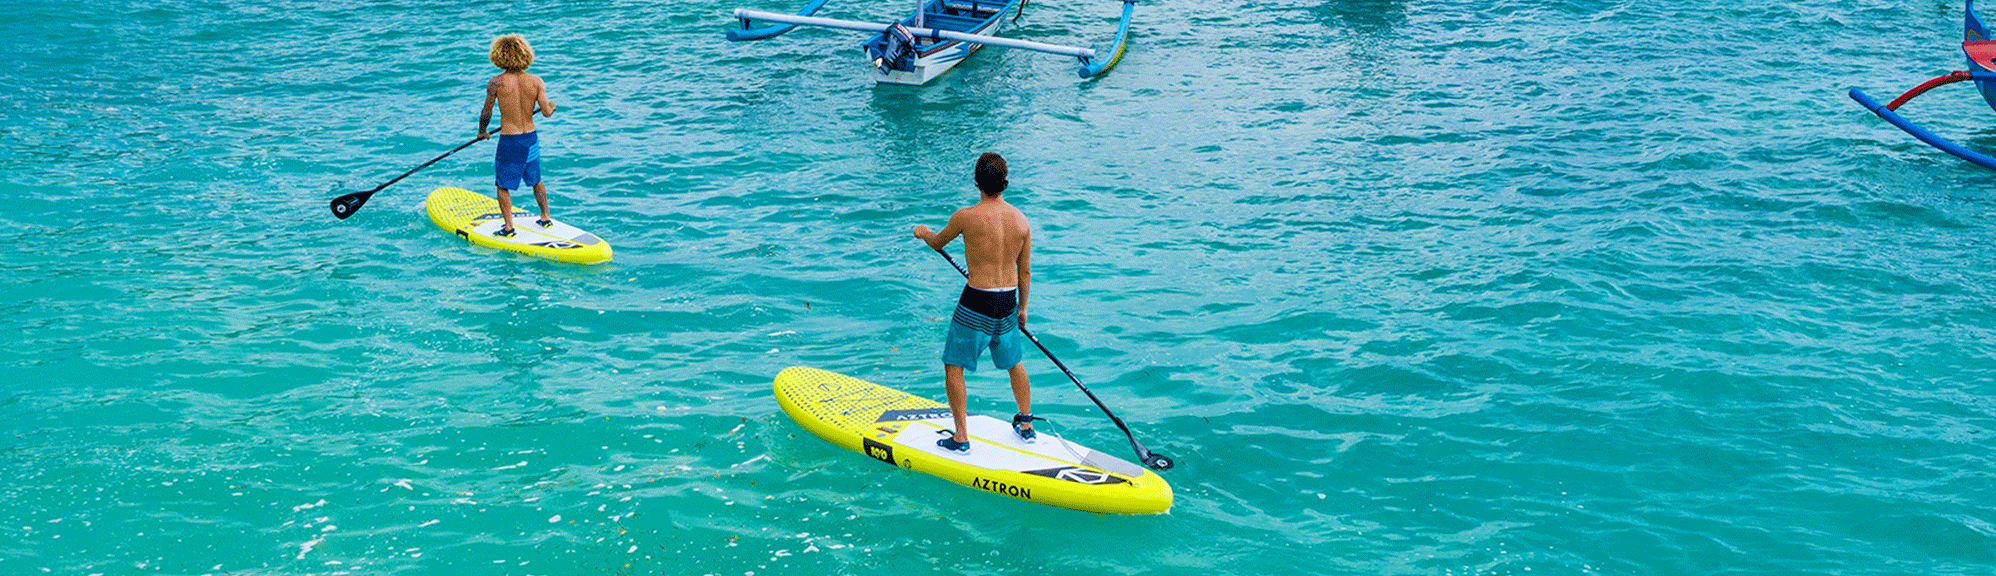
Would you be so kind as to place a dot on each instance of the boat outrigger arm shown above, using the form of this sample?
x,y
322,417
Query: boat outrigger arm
x,y
1980,52
1890,113
1122,41
765,32
787,22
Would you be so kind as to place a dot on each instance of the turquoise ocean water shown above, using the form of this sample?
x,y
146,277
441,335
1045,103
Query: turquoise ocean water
x,y
1507,287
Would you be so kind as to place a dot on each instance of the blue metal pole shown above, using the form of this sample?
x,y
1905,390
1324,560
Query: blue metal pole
x,y
746,33
1923,134
1115,54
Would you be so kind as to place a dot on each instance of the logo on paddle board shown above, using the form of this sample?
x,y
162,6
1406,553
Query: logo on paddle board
x,y
878,451
1020,492
1078,475
913,414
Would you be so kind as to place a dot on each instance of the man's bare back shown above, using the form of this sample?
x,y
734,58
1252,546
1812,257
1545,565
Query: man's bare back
x,y
516,92
997,245
996,238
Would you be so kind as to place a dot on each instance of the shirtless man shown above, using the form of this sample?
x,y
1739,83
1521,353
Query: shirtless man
x,y
519,157
998,248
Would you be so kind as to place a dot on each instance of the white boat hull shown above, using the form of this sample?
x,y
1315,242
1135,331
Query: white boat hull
x,y
935,59
928,66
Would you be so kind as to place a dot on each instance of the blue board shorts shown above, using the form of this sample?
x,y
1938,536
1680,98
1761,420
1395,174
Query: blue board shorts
x,y
984,319
518,160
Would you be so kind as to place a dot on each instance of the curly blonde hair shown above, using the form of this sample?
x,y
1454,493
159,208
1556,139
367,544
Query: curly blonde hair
x,y
511,52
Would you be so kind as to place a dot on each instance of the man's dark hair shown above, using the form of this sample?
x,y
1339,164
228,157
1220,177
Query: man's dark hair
x,y
991,174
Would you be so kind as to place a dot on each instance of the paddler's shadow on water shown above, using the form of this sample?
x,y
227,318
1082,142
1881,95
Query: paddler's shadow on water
x,y
1982,140
507,314
908,123
916,127
1363,17
1369,28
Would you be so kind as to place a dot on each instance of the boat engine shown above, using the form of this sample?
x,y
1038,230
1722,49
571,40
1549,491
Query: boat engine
x,y
898,53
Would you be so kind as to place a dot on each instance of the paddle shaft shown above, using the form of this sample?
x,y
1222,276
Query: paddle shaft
x,y
1142,453
433,161
345,206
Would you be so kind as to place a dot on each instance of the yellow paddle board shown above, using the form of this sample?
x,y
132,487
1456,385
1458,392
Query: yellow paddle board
x,y
901,429
475,217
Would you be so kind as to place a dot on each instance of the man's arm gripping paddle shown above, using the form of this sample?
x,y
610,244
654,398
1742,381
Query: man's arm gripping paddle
x,y
345,206
1159,462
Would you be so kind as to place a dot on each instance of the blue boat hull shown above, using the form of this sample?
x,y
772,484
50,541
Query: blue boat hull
x,y
1973,29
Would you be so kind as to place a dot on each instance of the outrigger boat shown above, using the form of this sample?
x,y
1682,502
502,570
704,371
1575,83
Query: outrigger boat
x,y
1980,49
935,39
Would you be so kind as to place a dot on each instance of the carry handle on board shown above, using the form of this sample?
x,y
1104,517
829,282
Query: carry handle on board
x,y
1154,460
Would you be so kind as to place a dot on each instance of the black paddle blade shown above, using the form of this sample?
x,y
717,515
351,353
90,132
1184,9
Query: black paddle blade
x,y
1159,462
345,206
